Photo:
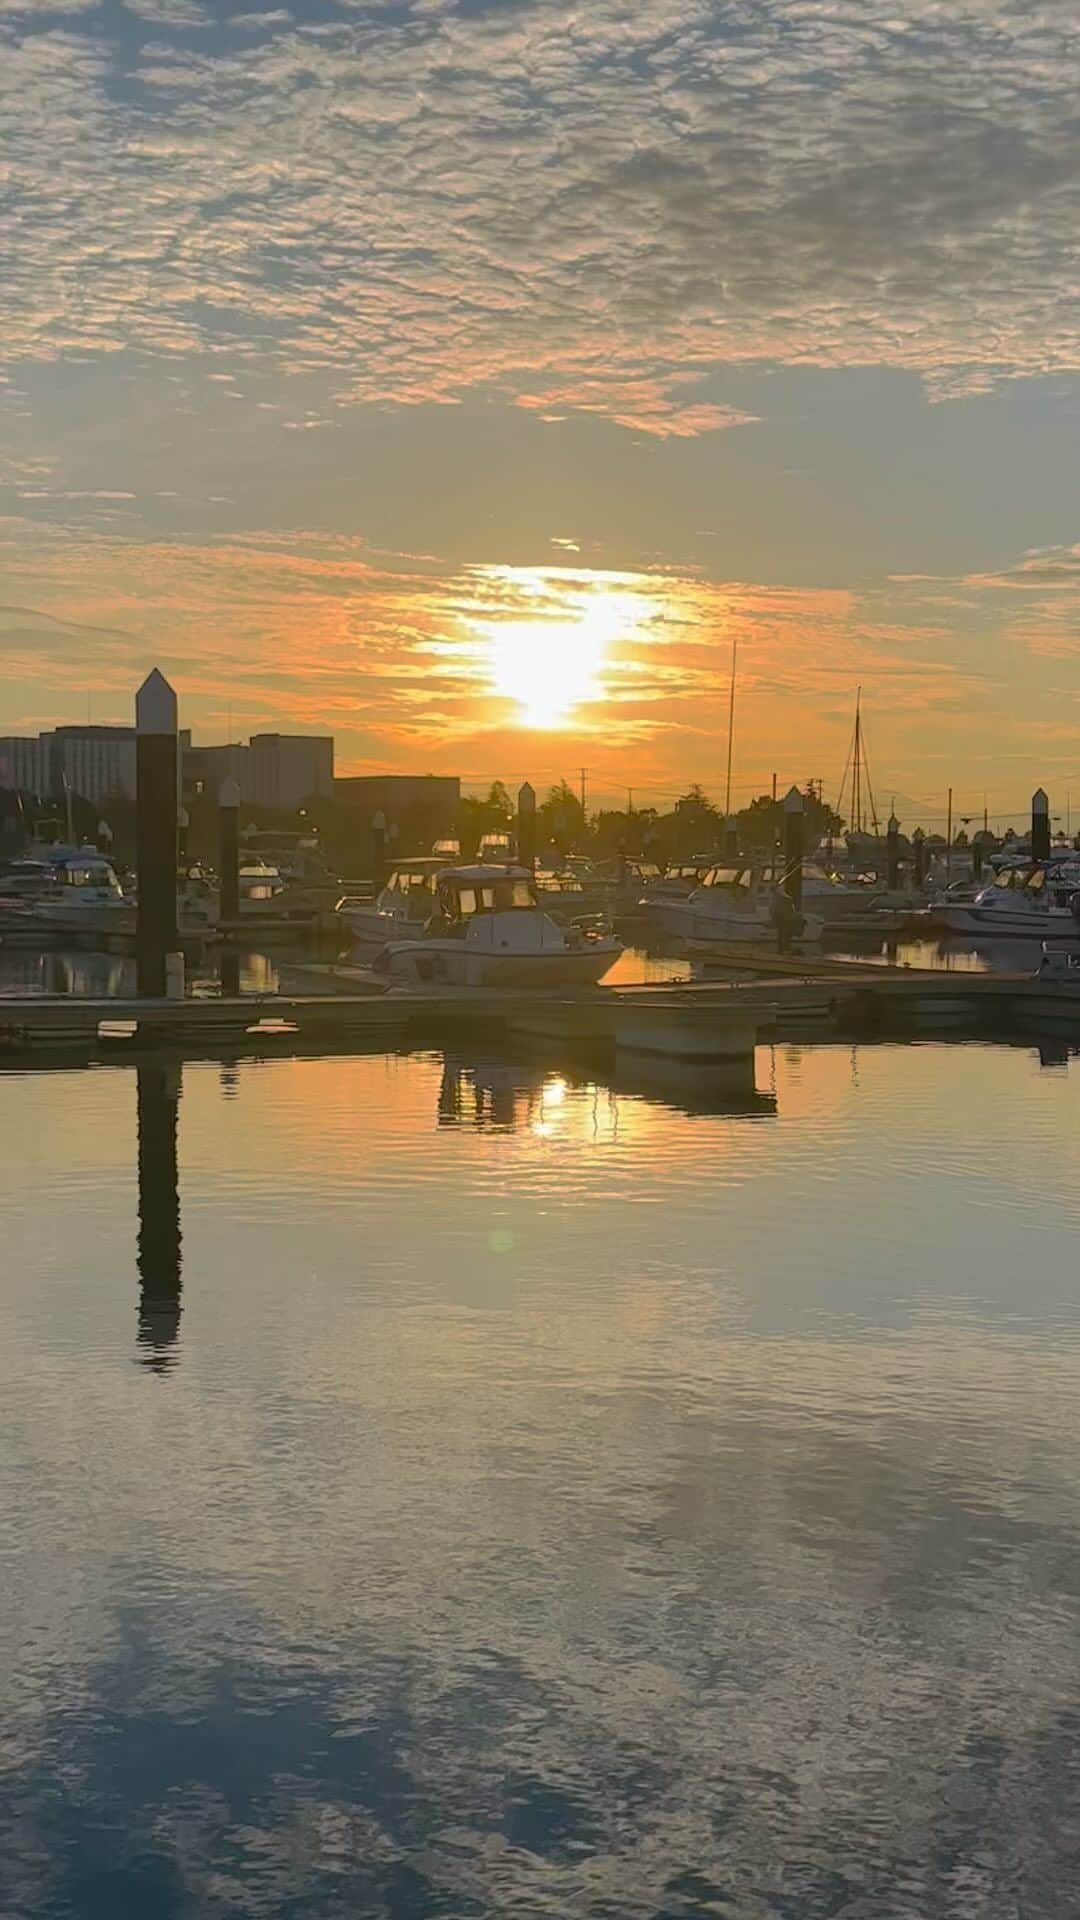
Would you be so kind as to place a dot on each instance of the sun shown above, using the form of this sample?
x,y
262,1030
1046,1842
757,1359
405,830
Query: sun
x,y
549,667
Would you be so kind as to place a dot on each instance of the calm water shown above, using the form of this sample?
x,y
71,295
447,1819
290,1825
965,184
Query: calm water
x,y
467,1491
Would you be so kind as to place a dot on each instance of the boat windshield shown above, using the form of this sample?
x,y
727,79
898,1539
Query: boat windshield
x,y
87,874
501,896
728,877
410,880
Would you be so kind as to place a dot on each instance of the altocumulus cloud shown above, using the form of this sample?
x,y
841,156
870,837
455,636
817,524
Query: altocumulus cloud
x,y
583,207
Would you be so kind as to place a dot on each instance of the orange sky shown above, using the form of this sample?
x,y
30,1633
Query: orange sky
x,y
466,380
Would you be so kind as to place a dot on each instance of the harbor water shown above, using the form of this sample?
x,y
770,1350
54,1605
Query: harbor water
x,y
443,1485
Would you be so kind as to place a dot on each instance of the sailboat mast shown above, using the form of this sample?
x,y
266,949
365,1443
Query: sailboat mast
x,y
731,724
856,777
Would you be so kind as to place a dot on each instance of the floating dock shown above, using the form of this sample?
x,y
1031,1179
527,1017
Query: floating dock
x,y
702,1022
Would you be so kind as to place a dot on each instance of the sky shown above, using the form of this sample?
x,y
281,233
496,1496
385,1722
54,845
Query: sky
x,y
469,377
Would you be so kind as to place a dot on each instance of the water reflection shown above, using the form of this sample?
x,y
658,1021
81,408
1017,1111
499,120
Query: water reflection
x,y
159,1239
603,1516
503,1092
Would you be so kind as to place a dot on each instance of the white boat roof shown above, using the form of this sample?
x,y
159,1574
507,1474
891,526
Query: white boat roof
x,y
482,875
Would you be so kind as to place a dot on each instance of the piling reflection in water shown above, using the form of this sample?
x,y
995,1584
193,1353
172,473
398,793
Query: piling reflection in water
x,y
159,1240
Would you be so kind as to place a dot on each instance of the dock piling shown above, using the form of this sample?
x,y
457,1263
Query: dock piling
x,y
156,828
1040,824
794,823
526,826
892,852
378,850
229,851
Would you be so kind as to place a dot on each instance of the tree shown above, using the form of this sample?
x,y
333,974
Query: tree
x,y
561,818
761,824
492,814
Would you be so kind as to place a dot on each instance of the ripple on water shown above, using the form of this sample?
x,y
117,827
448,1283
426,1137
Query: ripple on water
x,y
542,1500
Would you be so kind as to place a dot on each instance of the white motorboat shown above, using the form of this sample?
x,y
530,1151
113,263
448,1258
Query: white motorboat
x,y
732,904
1034,900
402,909
69,890
489,930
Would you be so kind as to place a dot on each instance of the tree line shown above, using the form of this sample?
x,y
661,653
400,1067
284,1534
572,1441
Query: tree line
x,y
693,825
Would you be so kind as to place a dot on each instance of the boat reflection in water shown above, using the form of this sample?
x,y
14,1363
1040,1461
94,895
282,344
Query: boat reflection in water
x,y
503,1093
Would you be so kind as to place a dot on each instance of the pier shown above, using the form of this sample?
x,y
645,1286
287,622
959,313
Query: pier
x,y
695,1021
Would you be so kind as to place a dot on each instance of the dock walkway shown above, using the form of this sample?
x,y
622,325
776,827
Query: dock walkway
x,y
693,1020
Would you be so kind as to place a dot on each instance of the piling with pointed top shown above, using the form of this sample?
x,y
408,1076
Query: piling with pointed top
x,y
918,855
1040,825
156,829
378,849
526,826
892,852
794,822
229,851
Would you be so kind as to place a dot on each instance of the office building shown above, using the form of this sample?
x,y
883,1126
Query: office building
x,y
417,808
274,771
23,765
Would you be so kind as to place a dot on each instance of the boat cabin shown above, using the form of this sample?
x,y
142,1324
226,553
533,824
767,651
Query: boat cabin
x,y
1037,883
409,893
464,892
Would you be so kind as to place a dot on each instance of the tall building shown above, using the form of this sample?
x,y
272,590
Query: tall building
x,y
96,762
278,771
285,769
23,765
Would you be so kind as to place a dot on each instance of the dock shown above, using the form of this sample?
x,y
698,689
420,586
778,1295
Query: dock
x,y
694,1022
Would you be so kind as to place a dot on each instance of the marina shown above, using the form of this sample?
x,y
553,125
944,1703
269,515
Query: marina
x,y
539,961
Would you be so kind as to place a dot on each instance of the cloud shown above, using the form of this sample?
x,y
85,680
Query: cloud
x,y
170,13
582,208
412,660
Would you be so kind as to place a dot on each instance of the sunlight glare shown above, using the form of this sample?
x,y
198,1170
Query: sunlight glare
x,y
550,667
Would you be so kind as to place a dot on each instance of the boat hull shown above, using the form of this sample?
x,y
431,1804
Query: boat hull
x,y
1004,923
687,922
449,963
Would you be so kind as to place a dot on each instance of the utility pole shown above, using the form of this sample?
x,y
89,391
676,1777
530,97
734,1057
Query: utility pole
x,y
948,841
629,801
584,771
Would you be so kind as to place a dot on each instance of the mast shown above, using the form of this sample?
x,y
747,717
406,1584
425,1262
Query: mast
x,y
731,723
864,813
856,776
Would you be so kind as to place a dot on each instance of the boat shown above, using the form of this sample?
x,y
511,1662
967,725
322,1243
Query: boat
x,y
66,890
402,908
733,903
495,849
1033,900
490,930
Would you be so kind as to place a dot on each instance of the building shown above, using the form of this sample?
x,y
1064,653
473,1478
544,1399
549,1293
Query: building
x,y
275,771
285,769
97,763
23,765
417,808
206,769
